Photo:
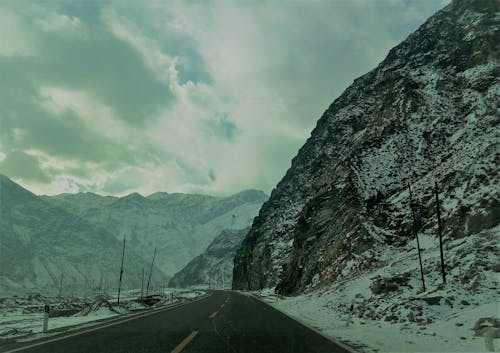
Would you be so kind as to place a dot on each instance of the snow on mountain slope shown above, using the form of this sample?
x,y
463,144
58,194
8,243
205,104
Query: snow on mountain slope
x,y
391,314
215,266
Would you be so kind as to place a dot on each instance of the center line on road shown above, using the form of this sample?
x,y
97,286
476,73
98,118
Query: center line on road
x,y
185,342
213,314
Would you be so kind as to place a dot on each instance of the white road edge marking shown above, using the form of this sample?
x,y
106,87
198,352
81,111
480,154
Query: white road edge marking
x,y
185,342
115,322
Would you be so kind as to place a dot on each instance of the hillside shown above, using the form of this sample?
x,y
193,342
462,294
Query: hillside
x,y
214,267
39,242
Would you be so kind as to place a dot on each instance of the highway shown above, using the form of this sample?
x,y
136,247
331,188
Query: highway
x,y
222,322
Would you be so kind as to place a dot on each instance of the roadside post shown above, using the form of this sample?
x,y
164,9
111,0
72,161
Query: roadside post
x,y
351,309
46,310
488,339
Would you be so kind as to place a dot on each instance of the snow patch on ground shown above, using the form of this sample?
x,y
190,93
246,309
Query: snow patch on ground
x,y
21,318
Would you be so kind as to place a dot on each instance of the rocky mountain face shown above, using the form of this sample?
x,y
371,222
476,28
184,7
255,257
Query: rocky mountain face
x,y
427,114
215,266
82,235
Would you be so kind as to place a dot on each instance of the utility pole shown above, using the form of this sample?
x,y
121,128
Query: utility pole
x,y
121,271
415,230
150,271
440,231
142,283
60,285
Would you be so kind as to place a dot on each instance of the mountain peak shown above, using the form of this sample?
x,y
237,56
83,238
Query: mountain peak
x,y
250,195
158,195
12,192
133,196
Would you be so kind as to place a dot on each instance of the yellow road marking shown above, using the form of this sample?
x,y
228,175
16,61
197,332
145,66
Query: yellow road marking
x,y
213,314
185,342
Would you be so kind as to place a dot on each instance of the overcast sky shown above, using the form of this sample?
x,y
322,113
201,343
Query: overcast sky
x,y
179,96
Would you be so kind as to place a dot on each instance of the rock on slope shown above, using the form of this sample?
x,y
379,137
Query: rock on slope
x,y
215,266
428,113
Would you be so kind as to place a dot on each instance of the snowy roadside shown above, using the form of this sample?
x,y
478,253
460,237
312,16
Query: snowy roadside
x,y
391,313
21,318
380,336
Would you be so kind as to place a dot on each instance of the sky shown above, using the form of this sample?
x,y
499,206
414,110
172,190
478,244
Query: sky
x,y
209,97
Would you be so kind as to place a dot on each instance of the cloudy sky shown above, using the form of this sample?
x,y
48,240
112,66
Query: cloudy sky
x,y
180,96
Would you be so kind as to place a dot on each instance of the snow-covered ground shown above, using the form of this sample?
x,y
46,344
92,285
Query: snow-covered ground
x,y
21,318
399,317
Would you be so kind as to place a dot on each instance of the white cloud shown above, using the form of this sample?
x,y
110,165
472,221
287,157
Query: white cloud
x,y
153,57
96,116
274,68
14,39
245,47
63,24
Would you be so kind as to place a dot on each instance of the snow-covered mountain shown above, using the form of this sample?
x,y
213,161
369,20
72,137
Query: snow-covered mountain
x,y
81,235
215,266
180,226
428,113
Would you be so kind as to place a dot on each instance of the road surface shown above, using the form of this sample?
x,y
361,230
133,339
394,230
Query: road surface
x,y
223,322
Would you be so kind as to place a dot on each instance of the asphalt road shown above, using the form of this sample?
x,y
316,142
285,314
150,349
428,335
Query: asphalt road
x,y
224,322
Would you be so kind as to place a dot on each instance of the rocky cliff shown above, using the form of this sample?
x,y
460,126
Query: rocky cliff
x,y
427,114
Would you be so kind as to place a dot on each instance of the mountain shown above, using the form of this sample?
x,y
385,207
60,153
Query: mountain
x,y
428,113
180,226
215,266
82,235
39,241
79,203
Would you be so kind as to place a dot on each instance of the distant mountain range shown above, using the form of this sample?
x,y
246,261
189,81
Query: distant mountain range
x,y
81,235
